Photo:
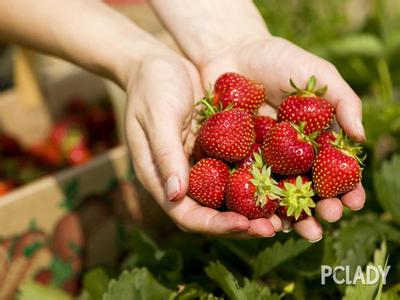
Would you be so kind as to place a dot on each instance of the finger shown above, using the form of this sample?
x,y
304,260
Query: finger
x,y
276,223
286,225
330,209
309,229
347,105
208,221
187,214
255,231
142,160
261,228
354,199
165,136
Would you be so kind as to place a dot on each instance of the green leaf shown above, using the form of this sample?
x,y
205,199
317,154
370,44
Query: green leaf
x,y
387,186
229,284
364,291
167,265
138,284
62,271
225,280
380,118
356,239
194,292
253,290
35,291
71,192
278,253
95,283
392,294
356,45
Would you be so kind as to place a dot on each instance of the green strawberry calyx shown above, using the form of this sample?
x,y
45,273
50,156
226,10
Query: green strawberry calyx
x,y
298,198
208,106
72,139
266,187
349,147
309,138
309,90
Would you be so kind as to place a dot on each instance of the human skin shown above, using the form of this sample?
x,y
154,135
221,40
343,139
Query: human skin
x,y
224,35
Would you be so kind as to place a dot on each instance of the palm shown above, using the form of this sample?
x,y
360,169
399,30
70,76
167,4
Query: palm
x,y
273,62
159,124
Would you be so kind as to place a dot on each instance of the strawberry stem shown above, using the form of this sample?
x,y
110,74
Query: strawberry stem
x,y
309,90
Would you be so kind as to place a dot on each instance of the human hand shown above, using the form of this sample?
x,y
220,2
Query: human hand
x,y
161,97
273,61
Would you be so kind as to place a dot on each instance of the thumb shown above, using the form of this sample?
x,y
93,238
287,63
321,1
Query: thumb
x,y
165,137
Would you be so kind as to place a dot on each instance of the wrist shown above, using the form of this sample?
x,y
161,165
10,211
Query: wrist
x,y
210,27
125,62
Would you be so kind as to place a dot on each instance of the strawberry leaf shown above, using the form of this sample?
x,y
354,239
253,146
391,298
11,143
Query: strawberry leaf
x,y
392,294
278,253
136,284
193,291
229,284
369,291
166,264
355,242
387,186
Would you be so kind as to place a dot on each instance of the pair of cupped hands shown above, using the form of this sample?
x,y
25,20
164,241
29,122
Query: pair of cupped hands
x,y
160,127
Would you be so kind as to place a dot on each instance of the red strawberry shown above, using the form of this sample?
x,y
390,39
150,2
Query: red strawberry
x,y
207,182
262,126
71,138
324,139
228,135
233,88
66,129
252,191
297,202
47,153
44,277
78,154
250,157
307,106
288,150
336,170
6,186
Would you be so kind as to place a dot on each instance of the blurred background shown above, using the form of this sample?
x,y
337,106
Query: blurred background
x,y
65,179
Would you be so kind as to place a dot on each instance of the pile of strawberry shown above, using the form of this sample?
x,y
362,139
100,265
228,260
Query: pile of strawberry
x,y
256,165
83,131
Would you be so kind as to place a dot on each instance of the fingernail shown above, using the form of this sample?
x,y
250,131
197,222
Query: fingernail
x,y
266,235
173,187
286,226
315,241
276,223
360,130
